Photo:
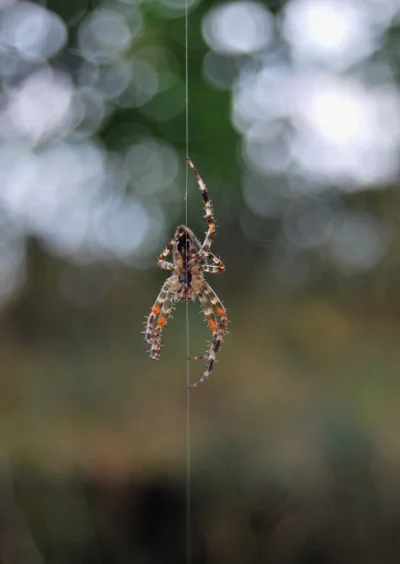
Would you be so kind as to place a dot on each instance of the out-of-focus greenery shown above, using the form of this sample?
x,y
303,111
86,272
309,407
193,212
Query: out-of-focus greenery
x,y
294,439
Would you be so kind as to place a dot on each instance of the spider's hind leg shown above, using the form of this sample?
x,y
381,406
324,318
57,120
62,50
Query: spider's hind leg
x,y
217,268
161,262
210,235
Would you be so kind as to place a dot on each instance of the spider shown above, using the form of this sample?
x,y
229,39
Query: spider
x,y
190,260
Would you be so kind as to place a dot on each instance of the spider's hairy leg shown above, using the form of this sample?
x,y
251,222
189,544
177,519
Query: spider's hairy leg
x,y
155,310
218,262
210,235
217,268
210,302
211,322
221,312
161,262
156,342
212,269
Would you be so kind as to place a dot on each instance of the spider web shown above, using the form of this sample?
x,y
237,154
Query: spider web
x,y
188,445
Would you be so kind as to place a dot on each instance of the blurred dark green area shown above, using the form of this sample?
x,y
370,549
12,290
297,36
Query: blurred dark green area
x,y
294,440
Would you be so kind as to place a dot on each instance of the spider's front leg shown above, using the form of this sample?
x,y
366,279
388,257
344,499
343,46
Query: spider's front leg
x,y
156,341
210,302
211,322
221,312
161,308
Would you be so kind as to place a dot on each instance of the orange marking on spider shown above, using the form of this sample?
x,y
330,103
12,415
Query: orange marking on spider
x,y
161,321
221,312
212,324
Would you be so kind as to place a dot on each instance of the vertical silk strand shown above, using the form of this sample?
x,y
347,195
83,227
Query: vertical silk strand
x,y
188,453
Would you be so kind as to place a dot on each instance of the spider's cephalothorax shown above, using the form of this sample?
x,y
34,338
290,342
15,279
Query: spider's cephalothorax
x,y
186,283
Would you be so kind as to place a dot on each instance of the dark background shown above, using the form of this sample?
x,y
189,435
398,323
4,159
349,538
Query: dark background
x,y
294,124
